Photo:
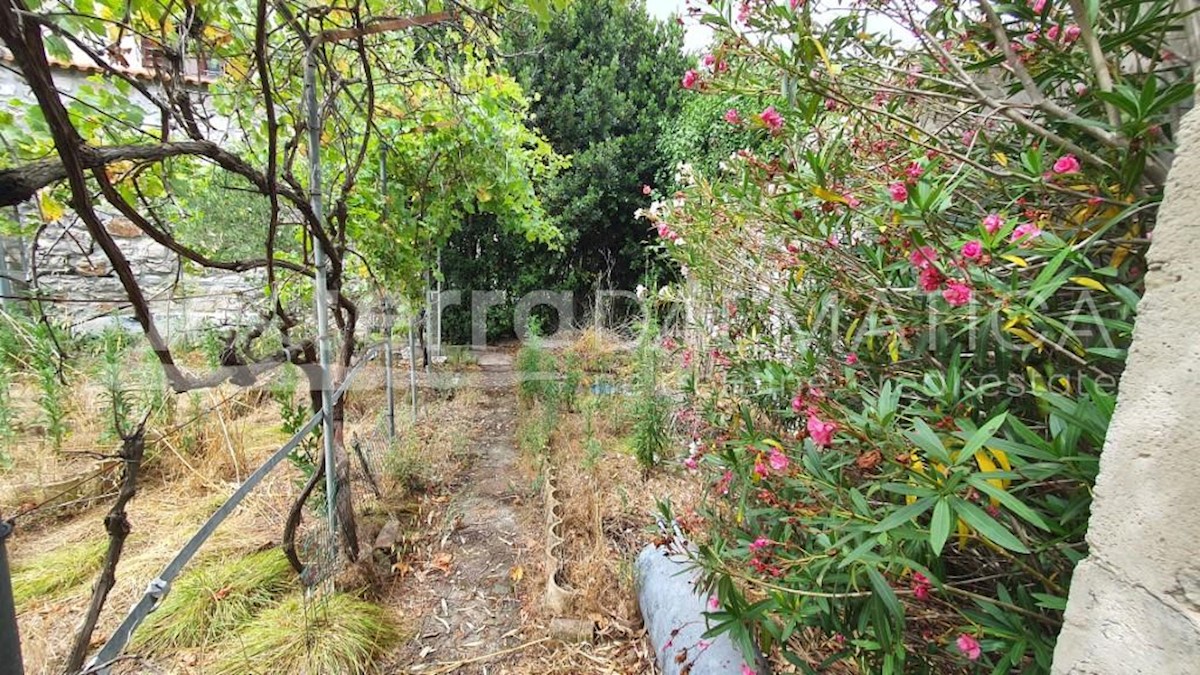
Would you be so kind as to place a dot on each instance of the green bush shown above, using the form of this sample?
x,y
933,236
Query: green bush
x,y
913,331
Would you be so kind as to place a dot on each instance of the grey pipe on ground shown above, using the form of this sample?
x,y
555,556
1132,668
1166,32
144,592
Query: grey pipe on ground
x,y
673,611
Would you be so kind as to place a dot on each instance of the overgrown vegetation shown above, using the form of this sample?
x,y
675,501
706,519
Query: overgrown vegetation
x,y
914,303
345,635
56,573
214,601
650,406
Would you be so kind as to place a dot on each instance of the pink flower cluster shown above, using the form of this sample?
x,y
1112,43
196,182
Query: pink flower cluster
x,y
969,646
921,586
665,232
772,119
931,278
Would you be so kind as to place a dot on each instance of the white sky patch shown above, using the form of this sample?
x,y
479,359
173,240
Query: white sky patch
x,y
696,38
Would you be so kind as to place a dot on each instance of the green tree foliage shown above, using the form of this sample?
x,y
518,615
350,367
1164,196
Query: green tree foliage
x,y
605,82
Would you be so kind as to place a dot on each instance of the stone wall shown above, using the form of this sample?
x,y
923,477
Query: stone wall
x,y
76,276
1134,604
73,271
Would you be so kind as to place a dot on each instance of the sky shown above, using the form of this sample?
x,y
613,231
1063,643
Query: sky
x,y
696,37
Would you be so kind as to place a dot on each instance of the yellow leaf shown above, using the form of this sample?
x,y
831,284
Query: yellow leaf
x,y
828,195
986,465
1088,282
1027,337
773,443
52,209
1001,158
963,531
516,573
853,327
894,347
824,55
1016,260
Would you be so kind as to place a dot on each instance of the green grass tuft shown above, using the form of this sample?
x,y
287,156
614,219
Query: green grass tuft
x,y
214,599
343,638
56,573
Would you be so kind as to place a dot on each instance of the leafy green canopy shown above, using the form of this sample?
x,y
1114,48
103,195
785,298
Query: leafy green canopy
x,y
604,77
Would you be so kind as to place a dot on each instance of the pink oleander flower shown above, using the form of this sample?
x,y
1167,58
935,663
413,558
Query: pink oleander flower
x,y
743,12
923,257
646,190
852,201
796,3
713,603
690,78
1026,232
760,470
1071,34
921,586
1052,33
708,60
759,544
931,279
691,463
992,223
914,170
851,359
899,192
972,250
1066,164
798,403
820,432
969,646
957,294
732,116
772,119
777,460
747,670
1038,6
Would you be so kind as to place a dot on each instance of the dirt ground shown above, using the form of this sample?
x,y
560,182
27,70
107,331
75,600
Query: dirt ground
x,y
468,590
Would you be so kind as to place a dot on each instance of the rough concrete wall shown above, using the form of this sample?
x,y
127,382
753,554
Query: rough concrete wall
x,y
1134,604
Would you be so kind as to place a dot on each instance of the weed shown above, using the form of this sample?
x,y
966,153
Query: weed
x,y
592,448
7,432
344,637
408,465
52,392
209,602
114,344
650,407
56,573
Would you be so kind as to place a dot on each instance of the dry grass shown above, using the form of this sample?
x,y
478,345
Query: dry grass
x,y
214,599
343,637
607,511
56,573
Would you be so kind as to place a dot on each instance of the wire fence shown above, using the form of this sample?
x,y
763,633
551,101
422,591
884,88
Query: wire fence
x,y
317,546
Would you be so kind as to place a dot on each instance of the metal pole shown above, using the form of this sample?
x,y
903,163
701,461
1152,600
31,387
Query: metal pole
x,y
10,640
322,292
388,311
438,342
387,365
412,368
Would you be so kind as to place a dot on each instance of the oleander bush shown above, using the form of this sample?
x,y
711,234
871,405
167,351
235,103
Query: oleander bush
x,y
916,283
